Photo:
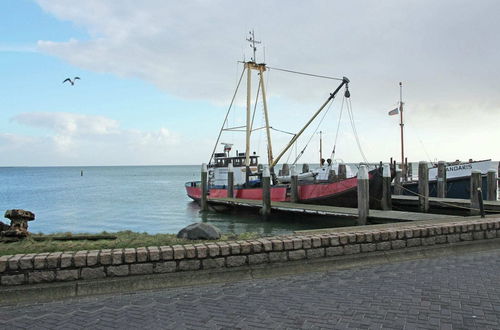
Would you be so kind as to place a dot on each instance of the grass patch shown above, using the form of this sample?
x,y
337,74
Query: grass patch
x,y
125,239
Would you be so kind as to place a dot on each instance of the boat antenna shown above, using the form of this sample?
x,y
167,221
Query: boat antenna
x,y
253,42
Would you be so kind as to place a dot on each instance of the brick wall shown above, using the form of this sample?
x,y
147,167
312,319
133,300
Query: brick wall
x,y
96,264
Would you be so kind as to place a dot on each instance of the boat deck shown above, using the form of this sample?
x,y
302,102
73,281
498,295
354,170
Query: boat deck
x,y
326,210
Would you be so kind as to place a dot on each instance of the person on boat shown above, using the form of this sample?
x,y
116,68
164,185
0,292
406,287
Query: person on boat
x,y
322,162
329,161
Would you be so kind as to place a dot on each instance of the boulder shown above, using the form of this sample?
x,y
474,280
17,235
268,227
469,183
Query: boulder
x,y
199,230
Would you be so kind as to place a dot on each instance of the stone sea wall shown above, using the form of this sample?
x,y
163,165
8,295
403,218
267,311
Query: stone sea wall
x,y
22,269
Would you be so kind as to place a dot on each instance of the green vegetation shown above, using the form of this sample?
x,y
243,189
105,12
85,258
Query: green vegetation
x,y
125,239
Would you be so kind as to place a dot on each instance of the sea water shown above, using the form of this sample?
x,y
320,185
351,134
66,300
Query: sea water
x,y
148,199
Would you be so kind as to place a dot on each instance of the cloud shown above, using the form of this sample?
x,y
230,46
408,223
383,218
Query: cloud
x,y
69,124
445,52
75,139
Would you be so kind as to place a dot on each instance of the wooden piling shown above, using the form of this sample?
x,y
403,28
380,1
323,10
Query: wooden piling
x,y
423,187
230,181
342,171
204,188
492,185
398,187
363,195
294,186
475,183
441,180
386,202
480,200
266,193
285,170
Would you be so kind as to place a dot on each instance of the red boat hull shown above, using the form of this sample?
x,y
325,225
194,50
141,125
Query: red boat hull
x,y
340,193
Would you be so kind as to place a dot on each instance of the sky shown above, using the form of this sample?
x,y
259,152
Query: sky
x,y
157,78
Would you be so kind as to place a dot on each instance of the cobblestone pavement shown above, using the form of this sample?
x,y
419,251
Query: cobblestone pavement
x,y
444,293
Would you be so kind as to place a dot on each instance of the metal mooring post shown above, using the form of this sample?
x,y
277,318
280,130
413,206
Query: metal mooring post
x,y
363,195
386,188
230,181
475,184
266,193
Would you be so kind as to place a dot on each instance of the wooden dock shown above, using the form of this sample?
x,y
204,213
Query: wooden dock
x,y
444,203
326,210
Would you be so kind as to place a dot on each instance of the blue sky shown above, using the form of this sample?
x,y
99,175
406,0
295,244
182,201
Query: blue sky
x,y
157,77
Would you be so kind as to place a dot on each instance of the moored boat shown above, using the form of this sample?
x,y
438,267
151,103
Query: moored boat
x,y
313,187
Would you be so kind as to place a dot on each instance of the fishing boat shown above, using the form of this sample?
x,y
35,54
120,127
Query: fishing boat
x,y
458,176
458,173
314,186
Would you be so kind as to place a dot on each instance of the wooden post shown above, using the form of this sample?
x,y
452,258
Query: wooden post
x,y
305,168
363,195
386,202
398,187
441,180
492,185
423,187
230,181
475,182
342,171
294,186
204,188
480,199
266,193
285,170
406,171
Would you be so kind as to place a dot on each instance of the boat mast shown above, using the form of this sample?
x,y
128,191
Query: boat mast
x,y
402,128
260,67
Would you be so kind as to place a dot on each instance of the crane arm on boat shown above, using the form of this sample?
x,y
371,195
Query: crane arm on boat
x,y
345,81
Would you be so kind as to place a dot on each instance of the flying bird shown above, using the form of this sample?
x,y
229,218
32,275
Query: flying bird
x,y
71,81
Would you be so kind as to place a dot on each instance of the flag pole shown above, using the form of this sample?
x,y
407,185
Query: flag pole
x,y
403,169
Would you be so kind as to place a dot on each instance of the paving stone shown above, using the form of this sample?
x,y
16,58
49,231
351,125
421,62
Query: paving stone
x,y
334,251
189,264
141,269
297,254
213,250
165,267
105,257
92,273
80,259
117,256
66,260
3,263
92,258
41,276
166,253
67,274
129,255
39,261
258,258
12,279
224,248
179,252
352,249
13,261
235,261
314,253
122,270
213,263
277,256
153,253
459,292
190,251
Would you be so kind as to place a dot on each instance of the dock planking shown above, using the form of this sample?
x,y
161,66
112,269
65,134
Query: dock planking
x,y
327,210
435,202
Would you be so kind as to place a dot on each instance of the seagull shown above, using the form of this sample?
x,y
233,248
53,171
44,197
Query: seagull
x,y
71,81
